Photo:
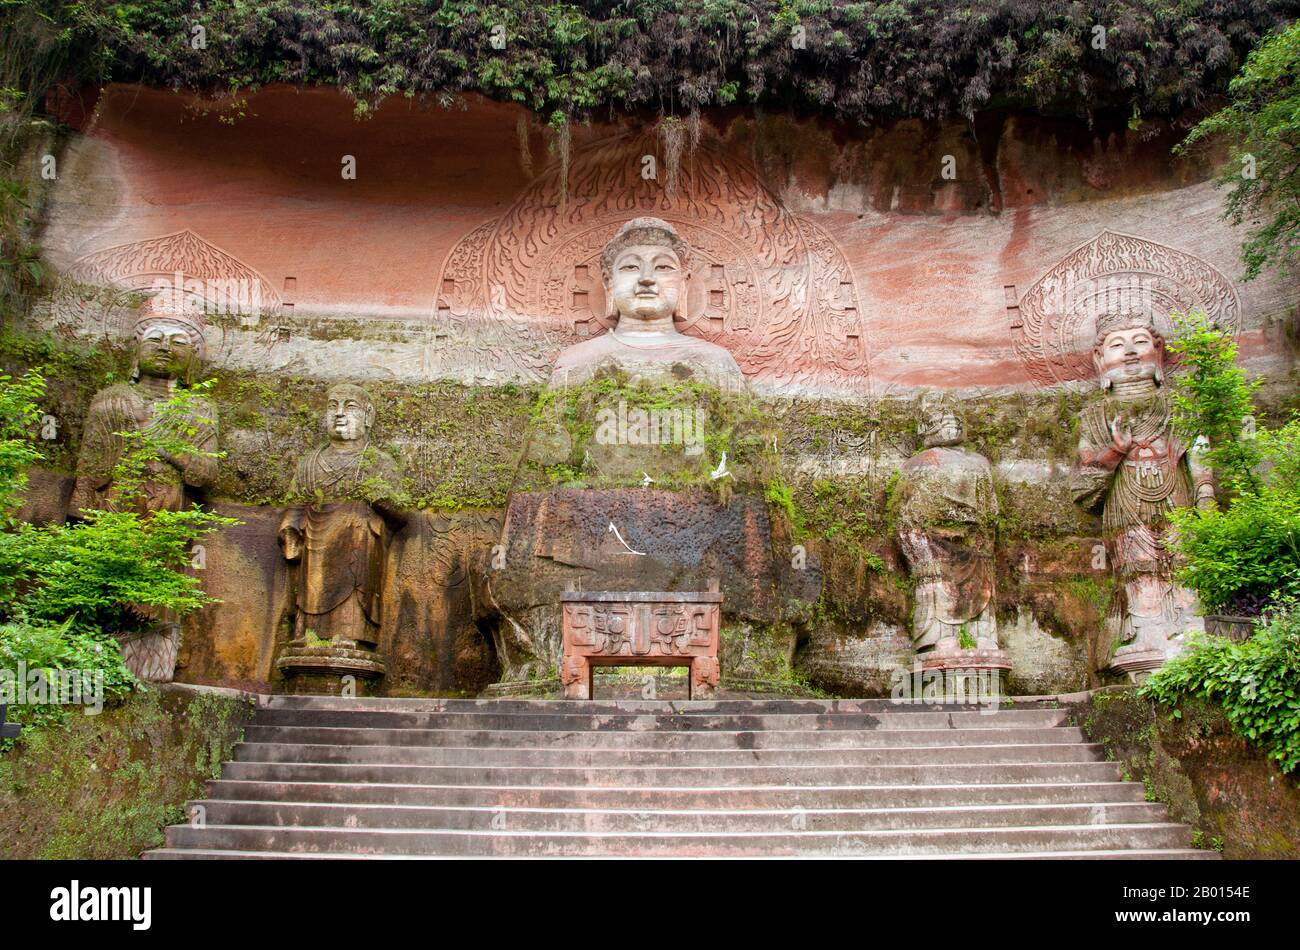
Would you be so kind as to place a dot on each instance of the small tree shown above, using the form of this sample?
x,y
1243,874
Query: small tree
x,y
1213,399
1262,129
102,574
1241,556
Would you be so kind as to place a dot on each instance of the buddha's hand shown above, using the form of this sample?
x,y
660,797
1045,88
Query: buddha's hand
x,y
291,542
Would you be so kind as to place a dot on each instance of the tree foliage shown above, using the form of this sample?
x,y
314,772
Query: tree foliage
x,y
846,59
1261,126
1257,682
1239,555
1213,400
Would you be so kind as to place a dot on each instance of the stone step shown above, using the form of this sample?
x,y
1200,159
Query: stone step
x,y
629,706
1134,854
920,842
712,739
543,721
705,775
608,821
691,758
694,797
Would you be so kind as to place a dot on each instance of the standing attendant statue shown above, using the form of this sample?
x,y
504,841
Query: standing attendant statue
x,y
348,503
1134,468
169,352
946,534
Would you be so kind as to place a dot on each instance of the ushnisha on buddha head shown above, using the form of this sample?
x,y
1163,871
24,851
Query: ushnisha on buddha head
x,y
349,414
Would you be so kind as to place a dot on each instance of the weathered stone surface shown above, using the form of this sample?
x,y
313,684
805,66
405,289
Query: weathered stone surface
x,y
336,537
824,265
631,539
1136,469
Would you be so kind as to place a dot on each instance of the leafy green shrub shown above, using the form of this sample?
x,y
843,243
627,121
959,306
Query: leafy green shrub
x,y
1257,682
65,589
1213,400
1246,552
860,60
25,647
1261,126
1237,557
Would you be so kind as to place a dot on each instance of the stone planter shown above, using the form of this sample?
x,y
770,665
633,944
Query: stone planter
x,y
1233,627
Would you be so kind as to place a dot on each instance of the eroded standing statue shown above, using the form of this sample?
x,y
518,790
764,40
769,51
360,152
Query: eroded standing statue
x,y
946,515
1133,466
170,348
336,536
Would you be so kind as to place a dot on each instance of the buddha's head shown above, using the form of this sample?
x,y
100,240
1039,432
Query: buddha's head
x,y
1128,348
349,413
169,337
940,423
645,271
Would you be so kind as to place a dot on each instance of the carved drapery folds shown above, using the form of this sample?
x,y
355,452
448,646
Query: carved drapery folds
x,y
336,540
947,511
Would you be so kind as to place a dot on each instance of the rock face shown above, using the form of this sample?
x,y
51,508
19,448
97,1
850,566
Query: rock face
x,y
629,539
827,276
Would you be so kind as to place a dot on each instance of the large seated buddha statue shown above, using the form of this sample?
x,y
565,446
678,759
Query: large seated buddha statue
x,y
645,269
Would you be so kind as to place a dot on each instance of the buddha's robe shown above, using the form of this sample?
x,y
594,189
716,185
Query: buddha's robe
x,y
344,541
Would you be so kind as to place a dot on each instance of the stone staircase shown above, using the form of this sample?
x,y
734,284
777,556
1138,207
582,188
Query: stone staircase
x,y
402,778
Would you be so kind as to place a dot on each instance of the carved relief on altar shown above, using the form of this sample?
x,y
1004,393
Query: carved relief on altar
x,y
233,293
633,629
769,286
1052,324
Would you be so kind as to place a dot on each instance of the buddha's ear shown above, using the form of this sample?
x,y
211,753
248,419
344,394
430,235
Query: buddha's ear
x,y
1098,368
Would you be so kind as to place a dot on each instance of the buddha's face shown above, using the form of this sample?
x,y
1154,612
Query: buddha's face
x,y
166,350
347,418
647,282
943,427
1129,355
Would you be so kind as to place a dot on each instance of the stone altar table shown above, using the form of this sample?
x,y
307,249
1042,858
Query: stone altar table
x,y
640,628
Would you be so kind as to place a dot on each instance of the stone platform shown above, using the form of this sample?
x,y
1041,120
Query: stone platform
x,y
321,777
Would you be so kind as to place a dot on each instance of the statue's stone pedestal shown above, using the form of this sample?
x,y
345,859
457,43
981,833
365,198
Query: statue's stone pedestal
x,y
1138,664
320,669
972,673
639,628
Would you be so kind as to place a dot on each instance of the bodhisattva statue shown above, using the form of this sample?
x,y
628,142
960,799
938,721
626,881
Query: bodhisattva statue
x,y
1137,470
170,348
348,504
169,353
945,530
646,267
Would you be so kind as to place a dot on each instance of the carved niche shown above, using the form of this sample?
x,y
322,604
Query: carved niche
x,y
1052,324
767,285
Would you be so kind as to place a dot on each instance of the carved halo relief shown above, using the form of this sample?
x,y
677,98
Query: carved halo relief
x,y
231,291
767,285
1053,323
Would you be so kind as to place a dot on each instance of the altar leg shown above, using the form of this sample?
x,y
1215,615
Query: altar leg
x,y
576,674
